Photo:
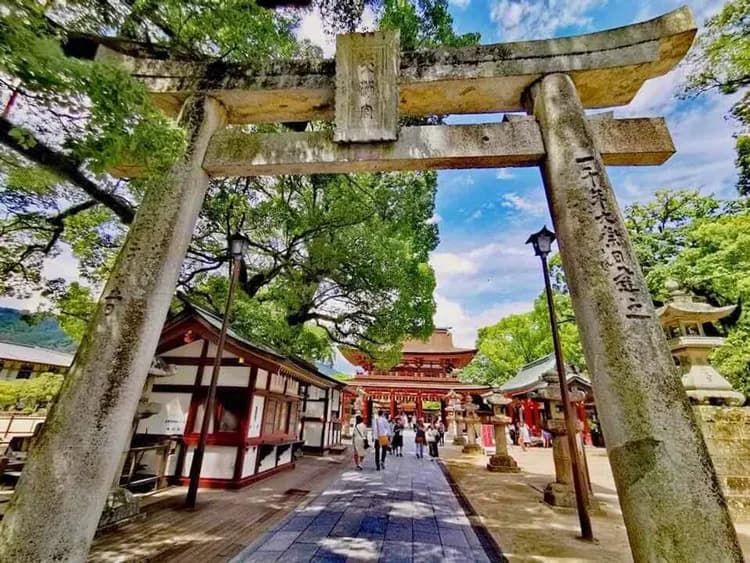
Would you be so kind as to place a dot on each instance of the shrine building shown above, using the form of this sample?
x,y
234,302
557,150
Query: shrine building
x,y
418,385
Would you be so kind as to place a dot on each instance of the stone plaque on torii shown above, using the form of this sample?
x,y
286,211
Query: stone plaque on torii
x,y
668,491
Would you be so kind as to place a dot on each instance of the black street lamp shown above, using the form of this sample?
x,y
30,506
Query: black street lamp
x,y
237,247
542,243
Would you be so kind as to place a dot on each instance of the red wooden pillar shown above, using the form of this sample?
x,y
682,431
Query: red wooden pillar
x,y
393,405
420,415
364,410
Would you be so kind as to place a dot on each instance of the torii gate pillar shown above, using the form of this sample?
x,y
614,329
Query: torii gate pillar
x,y
668,490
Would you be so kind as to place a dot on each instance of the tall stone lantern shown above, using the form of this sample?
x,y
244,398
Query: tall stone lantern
x,y
560,492
472,421
684,320
501,462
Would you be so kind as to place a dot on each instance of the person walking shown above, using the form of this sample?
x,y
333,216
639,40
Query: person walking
x,y
397,444
359,442
381,432
432,436
419,440
441,432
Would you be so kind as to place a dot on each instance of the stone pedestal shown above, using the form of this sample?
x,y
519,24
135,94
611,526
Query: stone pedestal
x,y
501,462
727,434
458,437
471,446
658,457
121,506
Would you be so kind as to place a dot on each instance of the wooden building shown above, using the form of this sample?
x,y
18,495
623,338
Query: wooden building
x,y
268,405
425,373
24,362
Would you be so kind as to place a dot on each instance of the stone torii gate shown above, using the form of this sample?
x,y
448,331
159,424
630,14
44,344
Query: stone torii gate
x,y
670,497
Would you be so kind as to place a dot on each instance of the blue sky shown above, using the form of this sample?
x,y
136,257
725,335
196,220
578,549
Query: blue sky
x,y
483,268
484,271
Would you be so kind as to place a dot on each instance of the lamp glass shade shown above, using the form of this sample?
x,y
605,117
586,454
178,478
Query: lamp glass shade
x,y
237,245
542,241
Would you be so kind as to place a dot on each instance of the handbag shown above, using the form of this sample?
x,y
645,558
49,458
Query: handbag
x,y
365,441
383,441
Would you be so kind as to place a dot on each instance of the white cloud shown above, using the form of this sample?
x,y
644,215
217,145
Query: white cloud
x,y
504,174
476,215
435,219
533,207
464,325
449,263
528,19
311,28
460,4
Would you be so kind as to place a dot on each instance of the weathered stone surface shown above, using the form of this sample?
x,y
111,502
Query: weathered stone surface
x,y
725,431
608,68
663,473
366,87
54,512
502,463
233,152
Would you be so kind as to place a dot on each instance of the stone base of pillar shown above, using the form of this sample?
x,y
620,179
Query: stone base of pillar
x,y
472,449
559,494
502,464
121,506
459,441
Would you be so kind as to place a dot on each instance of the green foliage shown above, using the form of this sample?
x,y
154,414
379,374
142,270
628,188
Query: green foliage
x,y
18,327
721,61
660,230
423,24
333,259
30,395
519,339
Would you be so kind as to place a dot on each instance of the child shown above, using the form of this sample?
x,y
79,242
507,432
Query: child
x,y
419,440
432,441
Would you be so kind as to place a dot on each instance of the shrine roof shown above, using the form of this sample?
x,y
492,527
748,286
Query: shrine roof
x,y
34,355
529,377
608,68
295,363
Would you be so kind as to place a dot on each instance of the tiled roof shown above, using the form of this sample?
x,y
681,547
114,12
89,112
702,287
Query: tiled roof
x,y
529,377
34,355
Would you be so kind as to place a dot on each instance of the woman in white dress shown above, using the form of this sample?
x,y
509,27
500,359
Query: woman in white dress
x,y
359,436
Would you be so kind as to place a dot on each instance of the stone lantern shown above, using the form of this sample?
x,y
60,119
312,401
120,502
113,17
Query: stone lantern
x,y
501,462
455,409
683,318
561,491
472,420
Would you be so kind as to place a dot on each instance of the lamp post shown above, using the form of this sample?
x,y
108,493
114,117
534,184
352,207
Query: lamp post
x,y
237,247
542,243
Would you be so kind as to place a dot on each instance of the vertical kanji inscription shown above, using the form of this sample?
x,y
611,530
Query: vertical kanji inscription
x,y
366,87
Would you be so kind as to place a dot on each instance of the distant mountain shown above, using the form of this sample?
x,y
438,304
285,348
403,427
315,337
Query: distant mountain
x,y
45,334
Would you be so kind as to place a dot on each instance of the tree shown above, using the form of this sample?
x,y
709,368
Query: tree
x,y
519,339
721,62
333,259
30,395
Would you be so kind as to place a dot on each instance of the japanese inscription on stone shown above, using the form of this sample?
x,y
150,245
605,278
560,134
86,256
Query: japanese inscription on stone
x,y
614,248
367,67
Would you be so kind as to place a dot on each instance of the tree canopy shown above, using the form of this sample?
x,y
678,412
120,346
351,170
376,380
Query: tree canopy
x,y
332,259
518,339
699,240
721,62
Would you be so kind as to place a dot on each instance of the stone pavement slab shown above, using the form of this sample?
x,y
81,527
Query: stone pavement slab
x,y
405,513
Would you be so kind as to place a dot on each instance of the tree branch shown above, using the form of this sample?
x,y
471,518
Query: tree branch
x,y
67,168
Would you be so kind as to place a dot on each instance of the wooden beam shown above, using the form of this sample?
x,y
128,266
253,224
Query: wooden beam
x,y
608,68
233,152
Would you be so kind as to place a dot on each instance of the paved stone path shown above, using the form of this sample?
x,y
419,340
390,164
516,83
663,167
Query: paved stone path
x,y
407,513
